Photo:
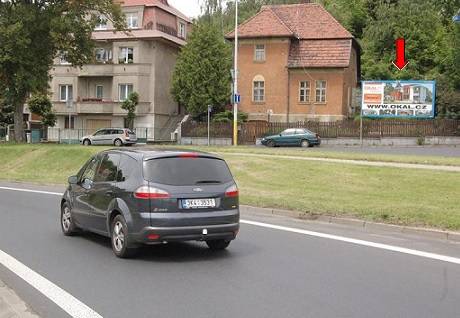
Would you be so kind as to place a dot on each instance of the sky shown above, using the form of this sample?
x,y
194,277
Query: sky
x,y
190,8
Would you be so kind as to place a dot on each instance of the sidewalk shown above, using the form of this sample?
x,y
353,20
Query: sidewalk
x,y
11,306
352,161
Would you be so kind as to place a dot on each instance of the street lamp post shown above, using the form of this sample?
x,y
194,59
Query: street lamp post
x,y
235,81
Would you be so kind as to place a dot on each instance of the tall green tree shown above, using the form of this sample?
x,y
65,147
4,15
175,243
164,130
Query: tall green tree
x,y
202,74
33,32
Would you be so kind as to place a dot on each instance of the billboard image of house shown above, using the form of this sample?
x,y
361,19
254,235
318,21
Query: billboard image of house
x,y
408,99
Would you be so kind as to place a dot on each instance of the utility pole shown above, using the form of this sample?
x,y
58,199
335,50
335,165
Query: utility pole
x,y
235,82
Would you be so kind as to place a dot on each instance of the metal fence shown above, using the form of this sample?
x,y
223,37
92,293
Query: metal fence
x,y
73,136
3,132
250,131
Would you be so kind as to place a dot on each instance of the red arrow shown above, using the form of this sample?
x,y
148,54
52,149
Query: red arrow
x,y
401,61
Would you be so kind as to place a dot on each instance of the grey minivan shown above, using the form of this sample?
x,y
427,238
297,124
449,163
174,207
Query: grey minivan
x,y
147,196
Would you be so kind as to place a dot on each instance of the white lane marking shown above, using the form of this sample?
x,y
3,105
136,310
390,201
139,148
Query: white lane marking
x,y
60,297
32,191
387,247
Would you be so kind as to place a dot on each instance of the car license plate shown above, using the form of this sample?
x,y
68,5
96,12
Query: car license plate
x,y
198,203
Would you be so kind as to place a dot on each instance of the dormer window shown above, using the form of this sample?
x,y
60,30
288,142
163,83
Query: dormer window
x,y
101,23
132,20
182,30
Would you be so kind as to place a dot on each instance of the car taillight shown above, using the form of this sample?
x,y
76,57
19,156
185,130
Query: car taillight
x,y
188,155
146,192
232,192
317,136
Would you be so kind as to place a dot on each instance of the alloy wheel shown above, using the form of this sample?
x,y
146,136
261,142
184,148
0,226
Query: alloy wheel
x,y
118,236
66,219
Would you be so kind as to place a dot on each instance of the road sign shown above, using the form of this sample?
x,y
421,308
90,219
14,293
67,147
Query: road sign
x,y
237,98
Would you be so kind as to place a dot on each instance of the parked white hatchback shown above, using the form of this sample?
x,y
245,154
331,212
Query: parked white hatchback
x,y
110,136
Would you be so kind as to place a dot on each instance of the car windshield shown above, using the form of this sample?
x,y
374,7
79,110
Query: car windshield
x,y
187,171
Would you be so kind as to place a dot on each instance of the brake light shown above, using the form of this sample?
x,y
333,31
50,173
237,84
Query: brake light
x,y
232,192
188,155
153,237
317,136
146,192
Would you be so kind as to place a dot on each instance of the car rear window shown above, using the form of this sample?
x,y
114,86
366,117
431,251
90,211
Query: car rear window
x,y
186,171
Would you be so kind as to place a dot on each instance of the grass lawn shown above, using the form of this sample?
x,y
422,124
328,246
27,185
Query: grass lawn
x,y
393,195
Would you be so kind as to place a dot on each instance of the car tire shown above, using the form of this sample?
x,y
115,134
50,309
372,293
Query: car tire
x,y
218,245
270,143
118,142
67,223
86,142
119,238
305,143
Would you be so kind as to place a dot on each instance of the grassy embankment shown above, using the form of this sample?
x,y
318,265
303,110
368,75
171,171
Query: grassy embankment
x,y
393,195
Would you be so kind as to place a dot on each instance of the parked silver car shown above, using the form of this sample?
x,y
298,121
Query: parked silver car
x,y
110,136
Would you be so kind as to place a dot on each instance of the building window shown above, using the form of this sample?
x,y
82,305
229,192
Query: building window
x,y
66,122
124,90
65,93
101,23
259,91
126,55
259,53
63,60
132,20
182,30
320,91
99,91
103,55
304,92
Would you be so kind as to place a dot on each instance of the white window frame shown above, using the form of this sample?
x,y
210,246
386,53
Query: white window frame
x,y
102,91
127,91
67,88
106,55
62,60
124,54
320,91
259,52
102,24
182,30
132,17
304,91
258,91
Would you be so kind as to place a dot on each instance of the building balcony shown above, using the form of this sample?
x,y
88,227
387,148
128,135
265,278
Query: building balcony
x,y
98,107
102,70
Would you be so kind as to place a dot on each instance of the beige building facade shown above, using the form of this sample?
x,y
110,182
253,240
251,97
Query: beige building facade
x,y
141,61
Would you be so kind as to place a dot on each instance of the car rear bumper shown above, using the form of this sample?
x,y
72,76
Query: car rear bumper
x,y
190,226
187,233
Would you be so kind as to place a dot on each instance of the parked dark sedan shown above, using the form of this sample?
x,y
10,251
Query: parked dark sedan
x,y
293,137
152,197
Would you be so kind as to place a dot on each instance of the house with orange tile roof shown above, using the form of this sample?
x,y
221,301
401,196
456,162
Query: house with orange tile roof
x,y
296,63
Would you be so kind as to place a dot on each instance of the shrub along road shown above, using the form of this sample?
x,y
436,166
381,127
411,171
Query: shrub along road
x,y
393,195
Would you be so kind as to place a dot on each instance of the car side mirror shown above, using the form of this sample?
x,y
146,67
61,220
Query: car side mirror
x,y
73,180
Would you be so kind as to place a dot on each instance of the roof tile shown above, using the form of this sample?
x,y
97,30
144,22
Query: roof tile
x,y
320,53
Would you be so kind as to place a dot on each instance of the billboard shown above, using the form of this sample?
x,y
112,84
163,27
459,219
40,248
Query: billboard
x,y
398,99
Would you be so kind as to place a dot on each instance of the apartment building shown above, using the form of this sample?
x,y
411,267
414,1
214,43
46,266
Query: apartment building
x,y
141,61
296,62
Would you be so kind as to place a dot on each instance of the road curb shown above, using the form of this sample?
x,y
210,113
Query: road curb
x,y
367,225
11,305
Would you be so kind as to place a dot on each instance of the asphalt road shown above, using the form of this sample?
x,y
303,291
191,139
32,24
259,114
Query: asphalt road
x,y
264,273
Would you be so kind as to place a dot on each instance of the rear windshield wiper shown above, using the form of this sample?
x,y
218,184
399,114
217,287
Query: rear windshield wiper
x,y
207,181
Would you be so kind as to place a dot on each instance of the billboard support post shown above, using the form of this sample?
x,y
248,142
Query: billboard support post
x,y
361,127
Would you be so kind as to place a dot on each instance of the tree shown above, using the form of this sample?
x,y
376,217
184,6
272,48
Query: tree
x,y
41,105
6,113
130,105
227,117
32,33
202,74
